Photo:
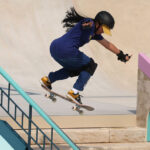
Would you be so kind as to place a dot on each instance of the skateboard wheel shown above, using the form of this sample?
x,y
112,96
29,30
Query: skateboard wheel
x,y
47,95
74,108
81,112
53,99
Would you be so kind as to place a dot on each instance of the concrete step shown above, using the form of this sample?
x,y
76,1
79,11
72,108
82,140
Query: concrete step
x,y
106,146
97,135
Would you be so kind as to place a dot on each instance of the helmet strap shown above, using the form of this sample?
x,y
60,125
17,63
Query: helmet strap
x,y
96,29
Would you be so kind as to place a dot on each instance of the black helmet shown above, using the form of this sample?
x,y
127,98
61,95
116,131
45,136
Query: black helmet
x,y
105,18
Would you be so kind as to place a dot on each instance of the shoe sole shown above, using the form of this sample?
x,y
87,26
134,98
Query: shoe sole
x,y
68,95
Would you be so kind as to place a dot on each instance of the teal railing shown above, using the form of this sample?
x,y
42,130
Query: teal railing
x,y
12,109
148,128
38,109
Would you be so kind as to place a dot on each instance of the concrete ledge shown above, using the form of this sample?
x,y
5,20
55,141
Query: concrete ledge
x,y
125,135
80,121
143,104
96,135
144,64
109,146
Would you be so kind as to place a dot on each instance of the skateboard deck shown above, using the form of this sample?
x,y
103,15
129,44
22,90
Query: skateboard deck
x,y
53,96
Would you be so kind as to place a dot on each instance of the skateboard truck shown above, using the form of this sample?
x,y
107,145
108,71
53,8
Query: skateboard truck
x,y
77,108
51,96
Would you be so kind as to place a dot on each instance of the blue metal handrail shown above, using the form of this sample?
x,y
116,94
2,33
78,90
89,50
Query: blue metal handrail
x,y
38,109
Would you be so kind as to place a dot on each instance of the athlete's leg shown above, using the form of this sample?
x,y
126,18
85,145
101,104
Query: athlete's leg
x,y
87,69
58,75
82,80
81,66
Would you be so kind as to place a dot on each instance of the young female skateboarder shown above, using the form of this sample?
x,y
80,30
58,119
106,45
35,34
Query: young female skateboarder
x,y
65,49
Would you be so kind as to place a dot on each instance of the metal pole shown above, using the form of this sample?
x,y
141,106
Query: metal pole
x,y
148,128
1,97
8,97
29,126
51,139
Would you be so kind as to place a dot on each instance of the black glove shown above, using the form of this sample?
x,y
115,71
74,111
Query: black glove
x,y
122,56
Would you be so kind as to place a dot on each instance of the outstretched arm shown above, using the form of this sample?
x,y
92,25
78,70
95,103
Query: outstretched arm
x,y
108,45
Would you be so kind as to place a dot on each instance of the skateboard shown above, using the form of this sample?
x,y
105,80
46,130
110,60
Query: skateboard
x,y
77,107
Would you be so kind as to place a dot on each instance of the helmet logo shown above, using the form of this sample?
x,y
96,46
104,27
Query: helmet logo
x,y
90,37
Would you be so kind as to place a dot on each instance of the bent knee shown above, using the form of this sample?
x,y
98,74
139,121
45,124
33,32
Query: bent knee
x,y
90,67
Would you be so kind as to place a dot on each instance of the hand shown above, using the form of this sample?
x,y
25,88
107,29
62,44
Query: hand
x,y
123,57
128,57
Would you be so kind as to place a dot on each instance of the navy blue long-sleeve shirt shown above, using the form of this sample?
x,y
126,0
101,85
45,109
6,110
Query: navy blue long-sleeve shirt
x,y
68,45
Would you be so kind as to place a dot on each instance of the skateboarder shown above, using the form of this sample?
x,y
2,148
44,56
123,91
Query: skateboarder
x,y
65,49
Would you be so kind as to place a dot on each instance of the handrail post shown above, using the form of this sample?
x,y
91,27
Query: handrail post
x,y
29,126
1,97
148,128
8,97
51,138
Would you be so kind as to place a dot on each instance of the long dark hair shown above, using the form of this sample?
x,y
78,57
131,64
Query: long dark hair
x,y
71,19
